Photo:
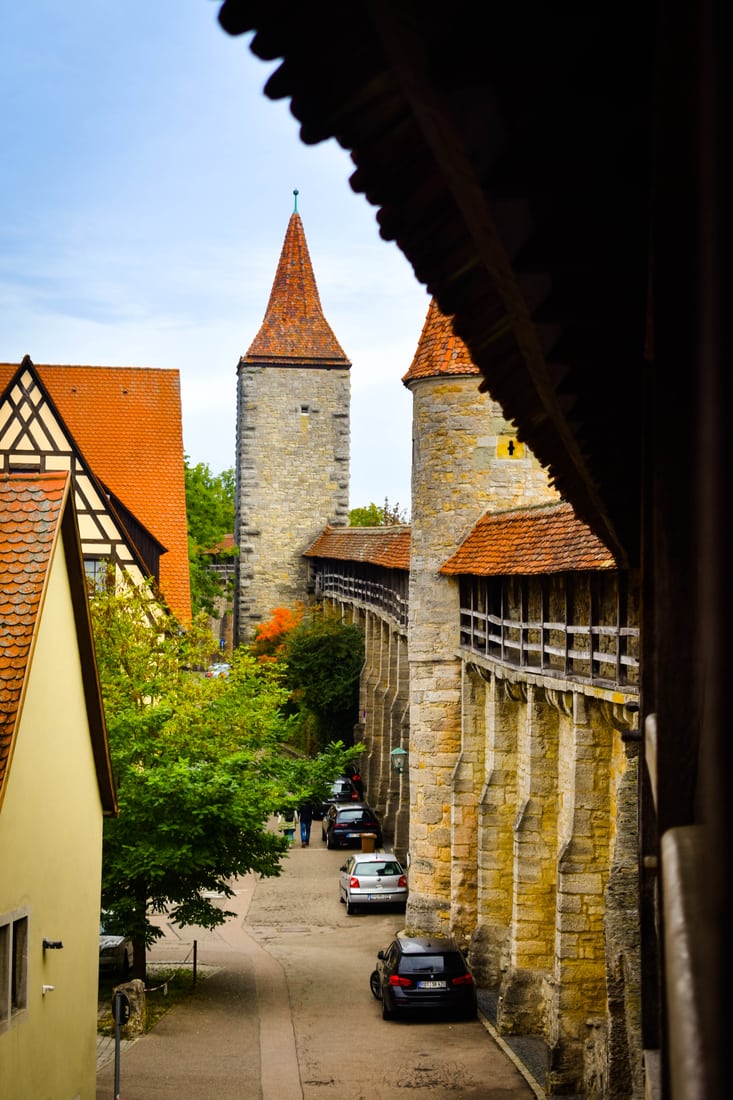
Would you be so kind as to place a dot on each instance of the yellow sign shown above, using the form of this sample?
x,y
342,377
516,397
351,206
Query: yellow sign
x,y
509,447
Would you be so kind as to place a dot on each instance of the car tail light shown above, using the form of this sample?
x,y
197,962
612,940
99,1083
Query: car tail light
x,y
402,881
354,882
397,979
462,979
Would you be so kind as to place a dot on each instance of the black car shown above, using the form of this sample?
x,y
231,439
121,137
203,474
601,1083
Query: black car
x,y
346,823
419,973
342,790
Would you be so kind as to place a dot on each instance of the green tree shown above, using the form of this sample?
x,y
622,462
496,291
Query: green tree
x,y
210,516
324,657
375,515
200,766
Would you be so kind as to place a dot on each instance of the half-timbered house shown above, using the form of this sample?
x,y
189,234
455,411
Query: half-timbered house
x,y
117,430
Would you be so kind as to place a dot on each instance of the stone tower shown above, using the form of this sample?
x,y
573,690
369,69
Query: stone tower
x,y
466,461
292,448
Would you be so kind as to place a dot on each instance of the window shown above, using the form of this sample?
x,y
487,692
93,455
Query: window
x,y
99,574
13,966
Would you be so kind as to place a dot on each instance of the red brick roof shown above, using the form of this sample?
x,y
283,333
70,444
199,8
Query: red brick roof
x,y
385,546
294,330
544,539
439,350
36,512
127,423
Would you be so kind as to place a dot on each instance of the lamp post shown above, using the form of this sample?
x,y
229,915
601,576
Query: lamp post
x,y
397,756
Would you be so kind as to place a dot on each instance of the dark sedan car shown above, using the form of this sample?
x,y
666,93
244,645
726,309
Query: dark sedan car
x,y
346,823
424,973
342,790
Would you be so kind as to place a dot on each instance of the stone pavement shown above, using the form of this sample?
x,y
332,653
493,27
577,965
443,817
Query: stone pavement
x,y
205,1044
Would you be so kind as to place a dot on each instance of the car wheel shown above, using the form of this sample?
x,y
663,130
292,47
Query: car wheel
x,y
342,899
329,841
350,907
374,984
387,1013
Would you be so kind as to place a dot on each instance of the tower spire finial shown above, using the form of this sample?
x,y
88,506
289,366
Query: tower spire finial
x,y
295,203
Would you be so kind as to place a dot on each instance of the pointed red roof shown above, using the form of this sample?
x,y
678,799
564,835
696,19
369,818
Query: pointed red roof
x,y
439,350
294,330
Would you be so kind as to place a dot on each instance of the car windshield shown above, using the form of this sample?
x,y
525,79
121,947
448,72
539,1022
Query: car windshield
x,y
374,868
416,964
355,815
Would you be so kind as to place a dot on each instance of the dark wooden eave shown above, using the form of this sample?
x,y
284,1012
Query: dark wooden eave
x,y
507,149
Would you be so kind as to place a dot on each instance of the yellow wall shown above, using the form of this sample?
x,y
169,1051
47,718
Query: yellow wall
x,y
50,861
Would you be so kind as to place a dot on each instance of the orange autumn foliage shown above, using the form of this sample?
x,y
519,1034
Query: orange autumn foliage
x,y
269,636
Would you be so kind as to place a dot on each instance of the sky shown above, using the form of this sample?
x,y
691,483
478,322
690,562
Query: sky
x,y
145,192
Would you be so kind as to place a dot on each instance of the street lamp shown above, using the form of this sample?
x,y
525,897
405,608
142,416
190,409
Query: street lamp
x,y
398,760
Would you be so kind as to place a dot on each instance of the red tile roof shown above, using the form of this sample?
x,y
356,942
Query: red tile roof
x,y
36,513
294,330
127,423
385,546
543,539
439,350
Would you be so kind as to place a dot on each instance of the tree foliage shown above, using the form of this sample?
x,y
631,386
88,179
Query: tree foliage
x,y
375,515
200,766
269,639
210,517
323,657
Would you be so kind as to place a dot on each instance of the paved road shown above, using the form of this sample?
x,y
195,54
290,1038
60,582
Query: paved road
x,y
288,1014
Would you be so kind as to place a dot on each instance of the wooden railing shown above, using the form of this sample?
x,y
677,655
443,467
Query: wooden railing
x,y
604,652
513,621
385,590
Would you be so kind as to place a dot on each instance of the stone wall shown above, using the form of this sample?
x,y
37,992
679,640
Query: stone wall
x,y
522,836
293,452
466,461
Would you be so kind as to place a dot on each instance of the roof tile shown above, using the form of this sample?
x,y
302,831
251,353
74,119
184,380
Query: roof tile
x,y
439,350
547,538
385,546
294,330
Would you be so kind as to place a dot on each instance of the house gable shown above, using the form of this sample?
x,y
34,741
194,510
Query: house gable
x,y
55,787
36,515
123,424
33,437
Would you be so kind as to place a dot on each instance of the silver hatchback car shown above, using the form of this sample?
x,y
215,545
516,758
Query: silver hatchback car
x,y
372,878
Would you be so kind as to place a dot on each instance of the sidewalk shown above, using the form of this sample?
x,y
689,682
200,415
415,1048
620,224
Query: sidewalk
x,y
206,1043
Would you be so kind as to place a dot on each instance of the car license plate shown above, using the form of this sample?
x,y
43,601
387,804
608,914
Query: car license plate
x,y
354,836
431,985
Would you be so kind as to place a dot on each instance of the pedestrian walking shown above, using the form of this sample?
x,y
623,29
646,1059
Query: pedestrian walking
x,y
305,816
